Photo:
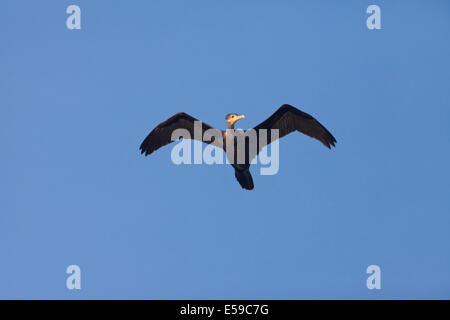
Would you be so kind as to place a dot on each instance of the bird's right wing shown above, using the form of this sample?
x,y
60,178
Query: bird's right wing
x,y
162,134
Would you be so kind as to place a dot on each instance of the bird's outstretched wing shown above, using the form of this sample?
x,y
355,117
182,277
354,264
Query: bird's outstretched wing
x,y
162,134
288,119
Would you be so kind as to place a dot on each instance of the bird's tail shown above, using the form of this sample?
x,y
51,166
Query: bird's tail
x,y
245,179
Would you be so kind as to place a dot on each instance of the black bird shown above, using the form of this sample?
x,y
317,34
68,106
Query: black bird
x,y
286,119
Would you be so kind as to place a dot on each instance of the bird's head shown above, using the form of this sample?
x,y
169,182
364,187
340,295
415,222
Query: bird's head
x,y
232,118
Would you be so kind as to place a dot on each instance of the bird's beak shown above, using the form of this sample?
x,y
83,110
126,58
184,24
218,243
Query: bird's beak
x,y
238,118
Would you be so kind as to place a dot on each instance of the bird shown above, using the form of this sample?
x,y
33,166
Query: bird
x,y
286,119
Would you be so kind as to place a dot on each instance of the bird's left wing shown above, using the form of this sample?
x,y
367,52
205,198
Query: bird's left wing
x,y
288,119
162,134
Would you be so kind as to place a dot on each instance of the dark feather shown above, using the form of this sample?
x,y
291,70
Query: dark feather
x,y
288,119
162,134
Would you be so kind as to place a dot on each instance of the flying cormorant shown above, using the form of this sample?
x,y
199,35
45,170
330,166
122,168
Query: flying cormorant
x,y
286,119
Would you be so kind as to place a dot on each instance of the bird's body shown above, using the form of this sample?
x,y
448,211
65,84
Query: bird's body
x,y
286,120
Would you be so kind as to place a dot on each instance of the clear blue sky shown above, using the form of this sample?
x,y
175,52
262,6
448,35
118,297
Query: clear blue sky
x,y
75,106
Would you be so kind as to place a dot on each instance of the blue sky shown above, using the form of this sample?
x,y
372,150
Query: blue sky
x,y
76,104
